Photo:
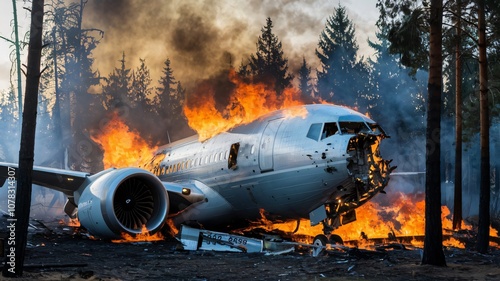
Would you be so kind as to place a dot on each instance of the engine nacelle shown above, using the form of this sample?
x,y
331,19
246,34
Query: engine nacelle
x,y
122,201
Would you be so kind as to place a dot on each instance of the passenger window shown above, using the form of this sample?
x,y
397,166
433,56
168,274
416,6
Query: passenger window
x,y
314,131
329,129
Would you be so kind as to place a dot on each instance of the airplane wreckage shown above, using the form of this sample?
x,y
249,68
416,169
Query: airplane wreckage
x,y
317,162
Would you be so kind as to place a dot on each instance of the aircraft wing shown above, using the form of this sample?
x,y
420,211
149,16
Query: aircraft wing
x,y
66,181
102,201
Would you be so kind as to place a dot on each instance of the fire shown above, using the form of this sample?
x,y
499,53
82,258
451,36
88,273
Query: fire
x,y
247,102
70,222
73,222
402,215
123,147
172,228
144,236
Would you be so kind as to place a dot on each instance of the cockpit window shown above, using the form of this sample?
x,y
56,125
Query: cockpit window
x,y
353,127
376,129
329,129
314,131
324,130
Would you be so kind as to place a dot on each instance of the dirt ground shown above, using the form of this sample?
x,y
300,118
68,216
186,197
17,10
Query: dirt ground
x,y
56,252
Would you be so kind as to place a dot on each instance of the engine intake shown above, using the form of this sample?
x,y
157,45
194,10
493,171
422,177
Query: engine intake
x,y
123,201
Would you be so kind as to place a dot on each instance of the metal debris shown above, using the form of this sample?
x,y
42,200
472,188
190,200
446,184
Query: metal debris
x,y
198,239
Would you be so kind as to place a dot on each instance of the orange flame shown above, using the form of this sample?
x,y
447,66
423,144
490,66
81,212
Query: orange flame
x,y
73,222
247,101
144,236
70,222
402,216
123,147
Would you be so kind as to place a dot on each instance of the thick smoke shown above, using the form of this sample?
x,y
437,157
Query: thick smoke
x,y
46,203
187,33
201,38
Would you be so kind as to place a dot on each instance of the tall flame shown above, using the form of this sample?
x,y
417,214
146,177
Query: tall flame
x,y
123,146
247,101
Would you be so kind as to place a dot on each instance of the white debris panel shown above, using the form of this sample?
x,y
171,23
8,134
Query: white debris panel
x,y
199,239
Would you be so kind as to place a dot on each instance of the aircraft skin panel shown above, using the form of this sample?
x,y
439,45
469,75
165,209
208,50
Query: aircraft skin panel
x,y
290,193
266,146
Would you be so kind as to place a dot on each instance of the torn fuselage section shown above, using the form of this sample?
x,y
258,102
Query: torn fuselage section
x,y
368,175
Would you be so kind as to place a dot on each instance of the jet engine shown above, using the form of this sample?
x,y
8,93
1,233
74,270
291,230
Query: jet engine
x,y
121,201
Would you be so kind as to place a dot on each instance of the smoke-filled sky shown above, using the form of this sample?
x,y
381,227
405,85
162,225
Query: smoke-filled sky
x,y
200,37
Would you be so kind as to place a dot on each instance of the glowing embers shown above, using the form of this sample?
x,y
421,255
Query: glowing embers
x,y
123,147
245,102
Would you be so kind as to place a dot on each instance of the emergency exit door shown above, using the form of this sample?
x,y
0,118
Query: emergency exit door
x,y
266,148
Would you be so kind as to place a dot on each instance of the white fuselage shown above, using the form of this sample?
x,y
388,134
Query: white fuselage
x,y
281,166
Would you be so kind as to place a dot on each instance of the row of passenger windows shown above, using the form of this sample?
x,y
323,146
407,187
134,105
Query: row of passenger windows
x,y
191,163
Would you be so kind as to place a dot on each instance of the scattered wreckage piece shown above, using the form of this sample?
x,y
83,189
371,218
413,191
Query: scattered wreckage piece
x,y
199,239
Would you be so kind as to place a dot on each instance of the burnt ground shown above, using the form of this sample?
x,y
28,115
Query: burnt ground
x,y
57,252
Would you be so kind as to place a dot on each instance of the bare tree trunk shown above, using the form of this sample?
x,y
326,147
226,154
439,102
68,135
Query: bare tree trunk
x,y
57,106
433,241
457,202
15,264
484,192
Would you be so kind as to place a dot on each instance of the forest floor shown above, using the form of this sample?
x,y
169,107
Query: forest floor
x,y
58,252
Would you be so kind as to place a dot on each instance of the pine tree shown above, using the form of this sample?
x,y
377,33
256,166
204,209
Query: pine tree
x,y
268,64
165,93
141,90
485,184
433,242
26,151
116,90
305,81
340,76
169,102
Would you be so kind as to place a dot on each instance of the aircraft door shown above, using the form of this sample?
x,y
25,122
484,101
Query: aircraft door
x,y
266,148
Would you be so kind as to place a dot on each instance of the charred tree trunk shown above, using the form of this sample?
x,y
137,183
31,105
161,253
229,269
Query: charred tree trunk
x,y
57,106
457,202
26,152
433,241
484,192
